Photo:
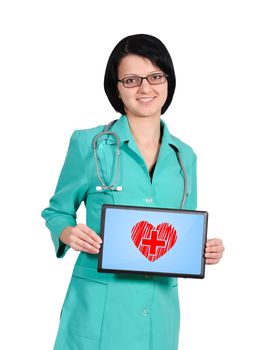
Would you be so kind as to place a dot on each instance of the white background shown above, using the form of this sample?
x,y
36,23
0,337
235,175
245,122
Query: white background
x,y
52,61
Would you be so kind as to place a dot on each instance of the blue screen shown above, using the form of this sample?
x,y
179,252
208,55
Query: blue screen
x,y
153,241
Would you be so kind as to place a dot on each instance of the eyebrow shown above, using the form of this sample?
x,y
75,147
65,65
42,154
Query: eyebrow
x,y
136,75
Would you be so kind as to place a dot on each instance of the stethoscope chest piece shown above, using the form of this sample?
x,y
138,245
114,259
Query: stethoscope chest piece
x,y
103,188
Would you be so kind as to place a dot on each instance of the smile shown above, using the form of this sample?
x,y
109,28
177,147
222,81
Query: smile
x,y
145,99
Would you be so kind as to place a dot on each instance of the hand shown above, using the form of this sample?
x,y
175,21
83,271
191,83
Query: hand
x,y
81,238
214,251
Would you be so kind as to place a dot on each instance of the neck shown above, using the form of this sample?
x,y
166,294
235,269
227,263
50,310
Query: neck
x,y
145,131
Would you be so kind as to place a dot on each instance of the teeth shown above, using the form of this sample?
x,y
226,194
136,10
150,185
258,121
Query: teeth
x,y
146,99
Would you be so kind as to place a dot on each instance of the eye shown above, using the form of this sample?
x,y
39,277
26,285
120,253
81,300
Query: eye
x,y
130,80
157,76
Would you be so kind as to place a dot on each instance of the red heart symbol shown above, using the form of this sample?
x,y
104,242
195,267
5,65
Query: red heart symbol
x,y
153,242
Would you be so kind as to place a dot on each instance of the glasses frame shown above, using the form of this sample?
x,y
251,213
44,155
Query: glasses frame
x,y
130,87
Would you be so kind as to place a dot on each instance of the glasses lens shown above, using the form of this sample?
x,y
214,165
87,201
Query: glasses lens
x,y
132,81
157,78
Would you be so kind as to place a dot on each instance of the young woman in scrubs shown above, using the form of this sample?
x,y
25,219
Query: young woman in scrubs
x,y
105,311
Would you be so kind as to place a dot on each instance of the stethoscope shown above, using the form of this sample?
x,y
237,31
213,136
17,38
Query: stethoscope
x,y
113,186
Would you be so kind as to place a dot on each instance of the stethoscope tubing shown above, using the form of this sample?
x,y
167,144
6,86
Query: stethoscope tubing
x,y
185,178
112,186
94,142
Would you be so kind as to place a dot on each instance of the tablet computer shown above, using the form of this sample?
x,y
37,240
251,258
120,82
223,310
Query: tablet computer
x,y
153,241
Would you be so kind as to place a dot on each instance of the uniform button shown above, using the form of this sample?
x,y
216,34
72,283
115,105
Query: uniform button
x,y
149,200
147,276
145,312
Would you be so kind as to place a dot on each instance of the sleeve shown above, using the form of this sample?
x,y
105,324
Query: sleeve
x,y
70,191
191,202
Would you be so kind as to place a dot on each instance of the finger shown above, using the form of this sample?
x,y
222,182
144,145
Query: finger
x,y
214,249
213,255
213,242
84,237
84,247
87,230
77,240
212,261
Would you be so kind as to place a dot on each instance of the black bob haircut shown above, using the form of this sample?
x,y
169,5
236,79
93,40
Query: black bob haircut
x,y
143,45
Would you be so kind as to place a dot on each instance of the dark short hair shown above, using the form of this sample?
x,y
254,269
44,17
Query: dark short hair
x,y
143,45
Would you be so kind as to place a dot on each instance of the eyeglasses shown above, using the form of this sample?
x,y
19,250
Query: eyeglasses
x,y
134,80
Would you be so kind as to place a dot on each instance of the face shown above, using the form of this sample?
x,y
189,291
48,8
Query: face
x,y
145,100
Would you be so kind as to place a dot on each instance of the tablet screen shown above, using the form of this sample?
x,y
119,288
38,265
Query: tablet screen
x,y
153,241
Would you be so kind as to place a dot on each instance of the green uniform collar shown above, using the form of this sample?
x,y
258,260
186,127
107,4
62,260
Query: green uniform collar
x,y
121,128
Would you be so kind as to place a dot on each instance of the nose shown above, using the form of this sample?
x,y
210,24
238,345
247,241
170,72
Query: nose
x,y
145,85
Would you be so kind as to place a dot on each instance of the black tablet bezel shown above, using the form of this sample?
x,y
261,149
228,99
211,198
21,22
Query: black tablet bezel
x,y
130,207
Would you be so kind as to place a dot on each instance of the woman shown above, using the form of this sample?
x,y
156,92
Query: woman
x,y
107,311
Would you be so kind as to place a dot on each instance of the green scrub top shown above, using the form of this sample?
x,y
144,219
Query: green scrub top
x,y
106,311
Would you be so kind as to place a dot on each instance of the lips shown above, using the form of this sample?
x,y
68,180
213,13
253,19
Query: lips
x,y
145,99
